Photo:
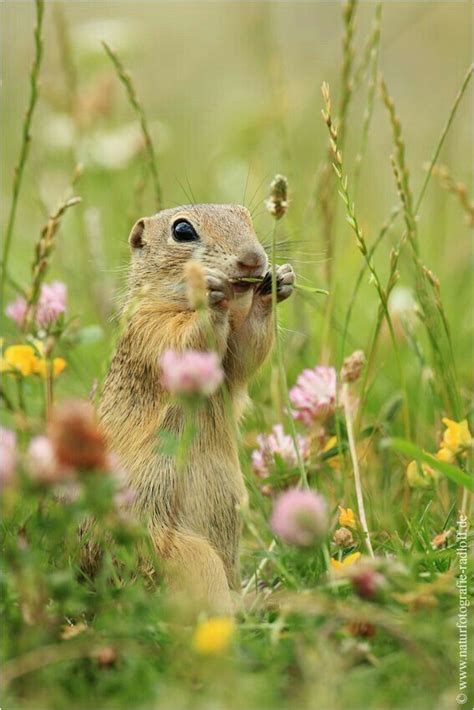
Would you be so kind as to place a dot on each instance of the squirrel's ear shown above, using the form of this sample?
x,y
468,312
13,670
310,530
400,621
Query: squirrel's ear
x,y
137,235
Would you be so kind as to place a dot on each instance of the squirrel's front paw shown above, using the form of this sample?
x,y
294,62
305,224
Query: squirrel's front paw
x,y
285,278
219,288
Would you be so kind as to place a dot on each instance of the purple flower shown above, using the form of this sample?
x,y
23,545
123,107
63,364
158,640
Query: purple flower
x,y
314,395
8,456
17,310
51,303
300,517
191,372
277,443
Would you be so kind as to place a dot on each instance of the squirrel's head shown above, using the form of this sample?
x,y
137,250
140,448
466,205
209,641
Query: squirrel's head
x,y
217,236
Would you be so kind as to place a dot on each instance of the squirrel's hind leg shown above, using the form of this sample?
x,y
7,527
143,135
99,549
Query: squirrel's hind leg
x,y
193,572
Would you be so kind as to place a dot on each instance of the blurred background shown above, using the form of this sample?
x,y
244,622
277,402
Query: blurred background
x,y
232,95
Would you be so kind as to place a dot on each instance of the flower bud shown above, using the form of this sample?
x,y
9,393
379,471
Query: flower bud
x,y
300,517
367,582
421,475
353,366
343,538
191,372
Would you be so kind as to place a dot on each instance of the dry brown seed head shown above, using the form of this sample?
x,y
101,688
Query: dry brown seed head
x,y
353,366
343,537
77,439
277,203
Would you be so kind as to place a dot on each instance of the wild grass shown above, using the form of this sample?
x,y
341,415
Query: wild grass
x,y
126,80
317,628
25,147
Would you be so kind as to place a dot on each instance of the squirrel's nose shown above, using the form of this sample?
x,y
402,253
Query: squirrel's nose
x,y
251,259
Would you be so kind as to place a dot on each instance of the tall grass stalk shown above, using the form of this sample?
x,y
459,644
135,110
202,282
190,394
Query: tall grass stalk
x,y
392,280
445,364
383,231
25,145
283,383
367,53
66,57
361,243
349,14
43,252
399,164
372,348
439,145
325,187
126,80
374,60
395,213
458,189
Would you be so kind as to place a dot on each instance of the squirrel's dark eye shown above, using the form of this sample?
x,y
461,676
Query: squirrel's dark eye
x,y
183,231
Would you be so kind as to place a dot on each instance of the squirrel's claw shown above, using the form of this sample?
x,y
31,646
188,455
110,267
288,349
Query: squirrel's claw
x,y
285,277
219,288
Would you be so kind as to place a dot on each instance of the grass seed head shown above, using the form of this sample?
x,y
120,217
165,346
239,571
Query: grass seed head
x,y
277,203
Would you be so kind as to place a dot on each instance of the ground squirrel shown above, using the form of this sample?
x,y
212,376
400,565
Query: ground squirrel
x,y
198,544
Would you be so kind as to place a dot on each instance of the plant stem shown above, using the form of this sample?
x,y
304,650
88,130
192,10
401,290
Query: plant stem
x,y
21,395
325,189
374,47
43,251
281,368
442,137
355,465
383,231
48,389
465,501
126,80
25,145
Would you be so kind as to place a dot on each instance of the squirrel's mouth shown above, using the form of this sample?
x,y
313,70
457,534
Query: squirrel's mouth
x,y
242,284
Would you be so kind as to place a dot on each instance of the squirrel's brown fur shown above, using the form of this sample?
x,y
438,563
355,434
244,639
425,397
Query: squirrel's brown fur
x,y
192,515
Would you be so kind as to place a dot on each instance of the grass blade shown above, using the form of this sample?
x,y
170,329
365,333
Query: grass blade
x,y
126,80
25,145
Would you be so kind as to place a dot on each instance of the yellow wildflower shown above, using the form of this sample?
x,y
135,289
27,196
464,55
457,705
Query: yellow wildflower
x,y
445,454
420,475
347,518
27,360
346,562
214,635
19,358
456,435
58,365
